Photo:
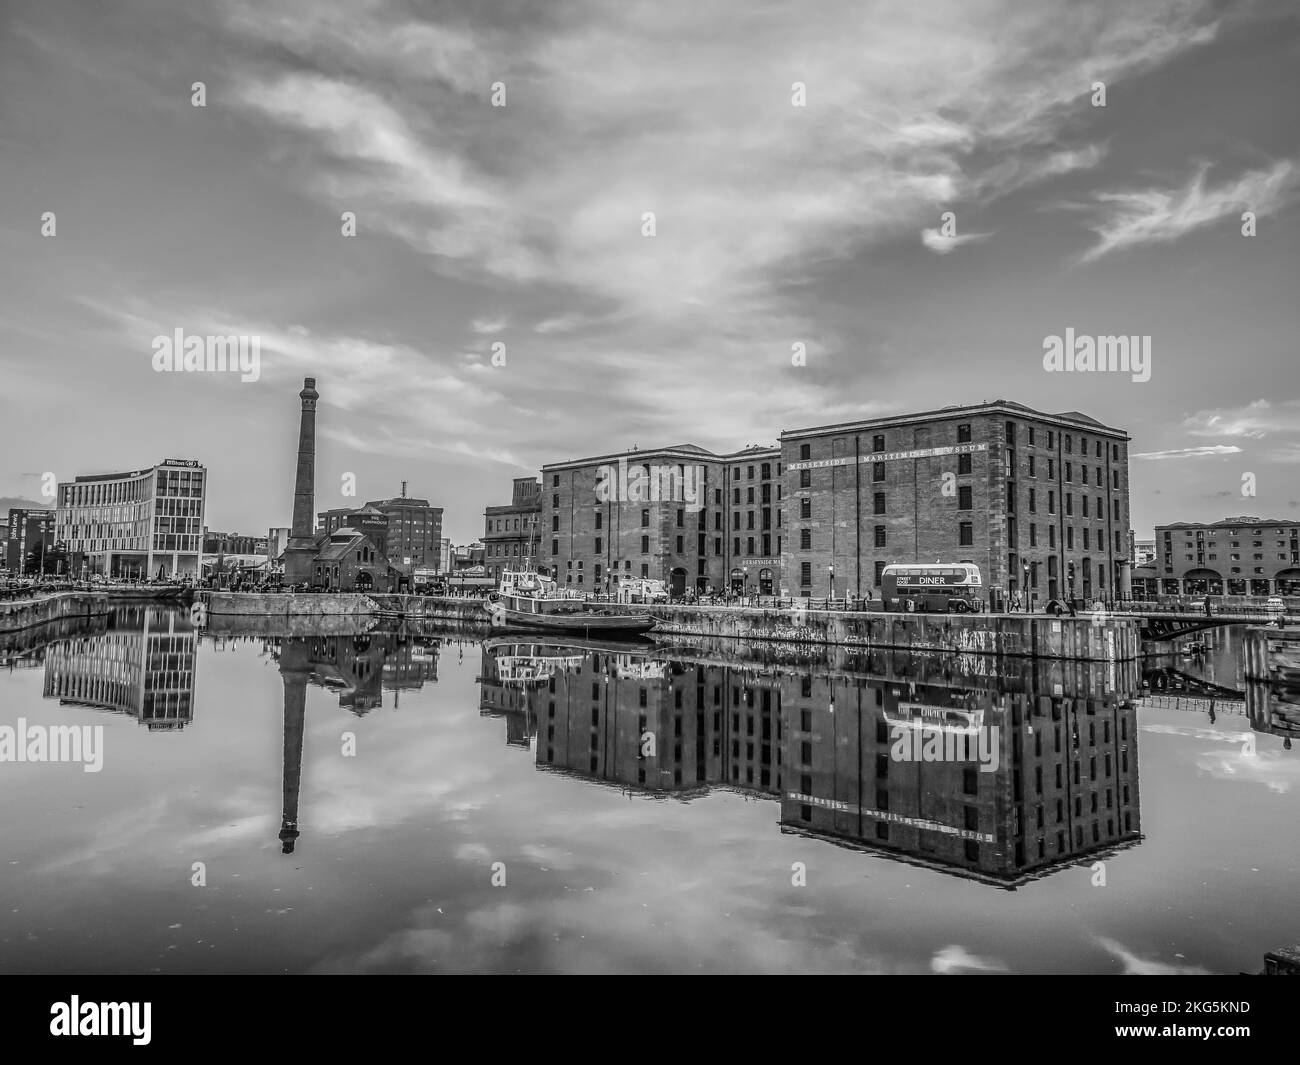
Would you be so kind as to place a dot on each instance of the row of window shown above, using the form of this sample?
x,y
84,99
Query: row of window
x,y
964,437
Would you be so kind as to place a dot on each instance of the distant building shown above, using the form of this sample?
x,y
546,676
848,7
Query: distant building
x,y
347,560
414,529
1144,552
1235,556
145,523
468,557
232,544
277,539
512,532
368,519
28,531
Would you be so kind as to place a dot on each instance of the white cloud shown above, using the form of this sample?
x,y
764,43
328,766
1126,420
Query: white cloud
x,y
1161,215
937,242
610,117
488,326
1209,451
1253,421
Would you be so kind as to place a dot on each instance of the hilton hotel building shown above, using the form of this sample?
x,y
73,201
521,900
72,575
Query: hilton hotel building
x,y
146,523
1028,497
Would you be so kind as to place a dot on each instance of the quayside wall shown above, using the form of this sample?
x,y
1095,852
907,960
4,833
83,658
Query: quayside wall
x,y
26,613
1086,639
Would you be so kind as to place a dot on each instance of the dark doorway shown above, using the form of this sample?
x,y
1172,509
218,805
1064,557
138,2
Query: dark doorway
x,y
677,583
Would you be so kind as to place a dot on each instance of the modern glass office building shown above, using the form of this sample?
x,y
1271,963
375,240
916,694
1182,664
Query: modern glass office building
x,y
145,523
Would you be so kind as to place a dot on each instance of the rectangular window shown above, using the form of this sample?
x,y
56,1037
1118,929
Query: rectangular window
x,y
805,574
805,478
878,442
964,497
963,463
645,545
805,507
963,434
878,502
966,533
880,536
805,539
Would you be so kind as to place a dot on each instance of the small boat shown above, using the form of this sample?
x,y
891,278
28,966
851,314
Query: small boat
x,y
528,600
1194,647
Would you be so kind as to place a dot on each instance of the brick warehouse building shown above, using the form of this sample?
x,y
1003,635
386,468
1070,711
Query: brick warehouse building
x,y
513,531
679,514
1235,556
996,484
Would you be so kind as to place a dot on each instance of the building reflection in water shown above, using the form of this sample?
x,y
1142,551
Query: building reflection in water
x,y
141,663
822,744
359,669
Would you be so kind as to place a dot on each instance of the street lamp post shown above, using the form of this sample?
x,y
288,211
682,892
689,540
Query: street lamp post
x,y
1025,587
830,582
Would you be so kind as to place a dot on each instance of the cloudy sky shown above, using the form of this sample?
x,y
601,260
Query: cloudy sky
x,y
524,225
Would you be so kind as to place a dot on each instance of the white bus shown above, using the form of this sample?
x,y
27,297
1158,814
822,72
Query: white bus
x,y
945,587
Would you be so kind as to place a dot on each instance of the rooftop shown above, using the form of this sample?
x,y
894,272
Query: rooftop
x,y
1227,523
992,406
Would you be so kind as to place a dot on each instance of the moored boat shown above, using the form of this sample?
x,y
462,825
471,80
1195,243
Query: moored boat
x,y
528,600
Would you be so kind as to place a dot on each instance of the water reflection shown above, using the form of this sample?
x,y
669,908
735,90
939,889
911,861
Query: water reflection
x,y
140,663
825,736
825,746
360,669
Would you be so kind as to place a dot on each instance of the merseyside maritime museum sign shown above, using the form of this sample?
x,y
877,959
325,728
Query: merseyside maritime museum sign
x,y
888,456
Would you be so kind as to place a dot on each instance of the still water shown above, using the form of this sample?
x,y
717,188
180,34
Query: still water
x,y
419,801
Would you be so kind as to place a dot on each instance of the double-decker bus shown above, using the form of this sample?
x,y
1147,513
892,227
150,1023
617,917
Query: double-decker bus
x,y
943,587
